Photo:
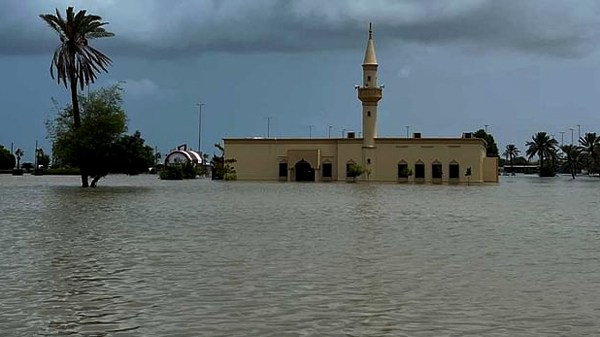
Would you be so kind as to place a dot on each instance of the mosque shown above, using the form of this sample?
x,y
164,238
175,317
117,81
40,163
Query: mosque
x,y
407,160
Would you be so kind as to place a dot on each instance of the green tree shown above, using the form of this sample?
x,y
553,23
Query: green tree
x,y
543,146
130,155
7,159
223,169
511,152
42,159
355,170
590,144
520,161
572,153
75,61
491,148
99,146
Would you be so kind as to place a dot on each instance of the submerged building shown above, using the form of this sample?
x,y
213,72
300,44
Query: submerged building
x,y
419,160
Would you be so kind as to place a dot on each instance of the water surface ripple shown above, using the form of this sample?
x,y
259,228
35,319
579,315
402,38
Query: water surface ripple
x,y
142,257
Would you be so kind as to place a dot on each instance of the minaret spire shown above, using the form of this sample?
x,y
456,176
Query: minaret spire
x,y
370,57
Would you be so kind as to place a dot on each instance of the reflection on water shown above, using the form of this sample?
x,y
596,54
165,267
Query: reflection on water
x,y
142,257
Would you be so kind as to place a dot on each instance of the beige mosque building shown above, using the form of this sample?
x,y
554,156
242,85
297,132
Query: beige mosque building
x,y
406,160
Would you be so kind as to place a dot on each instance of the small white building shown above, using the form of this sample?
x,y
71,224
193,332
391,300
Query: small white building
x,y
182,155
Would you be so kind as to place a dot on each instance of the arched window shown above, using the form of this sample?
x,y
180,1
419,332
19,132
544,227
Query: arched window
x,y
436,170
453,170
403,170
327,169
419,170
283,169
349,163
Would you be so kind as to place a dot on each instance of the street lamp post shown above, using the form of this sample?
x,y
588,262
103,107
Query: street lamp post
x,y
407,132
35,156
268,118
329,132
571,135
343,132
562,137
199,105
578,131
310,131
486,126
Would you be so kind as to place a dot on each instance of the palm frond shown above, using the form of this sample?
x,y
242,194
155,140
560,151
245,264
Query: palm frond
x,y
74,60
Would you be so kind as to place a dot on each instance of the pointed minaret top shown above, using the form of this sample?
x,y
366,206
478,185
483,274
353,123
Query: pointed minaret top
x,y
370,58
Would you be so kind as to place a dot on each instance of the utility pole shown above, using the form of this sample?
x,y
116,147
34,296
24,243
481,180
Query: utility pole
x,y
35,156
199,105
562,137
571,135
268,118
578,131
407,132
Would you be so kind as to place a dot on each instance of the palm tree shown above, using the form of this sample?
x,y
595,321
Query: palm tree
x,y
74,60
590,143
19,153
572,152
544,147
510,153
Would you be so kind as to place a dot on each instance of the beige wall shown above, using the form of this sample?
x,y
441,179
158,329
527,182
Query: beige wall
x,y
490,170
258,159
465,154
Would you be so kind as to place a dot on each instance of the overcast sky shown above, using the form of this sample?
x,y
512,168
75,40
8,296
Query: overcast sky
x,y
448,67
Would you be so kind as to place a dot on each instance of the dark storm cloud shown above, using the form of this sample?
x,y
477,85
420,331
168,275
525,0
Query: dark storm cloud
x,y
180,28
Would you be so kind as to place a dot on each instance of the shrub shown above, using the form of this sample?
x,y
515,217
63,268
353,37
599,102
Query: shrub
x,y
178,172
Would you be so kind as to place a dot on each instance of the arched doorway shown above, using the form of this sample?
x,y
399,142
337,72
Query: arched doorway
x,y
304,172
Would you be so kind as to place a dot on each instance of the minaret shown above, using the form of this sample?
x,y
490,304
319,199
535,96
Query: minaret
x,y
369,94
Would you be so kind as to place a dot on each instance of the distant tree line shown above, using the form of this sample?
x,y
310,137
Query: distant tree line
x,y
553,158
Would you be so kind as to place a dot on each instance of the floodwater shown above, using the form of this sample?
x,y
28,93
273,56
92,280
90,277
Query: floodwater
x,y
142,257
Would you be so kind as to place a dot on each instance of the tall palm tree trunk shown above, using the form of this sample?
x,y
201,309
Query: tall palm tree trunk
x,y
75,102
77,125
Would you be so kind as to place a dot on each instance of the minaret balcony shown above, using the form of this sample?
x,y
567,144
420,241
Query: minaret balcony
x,y
370,95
